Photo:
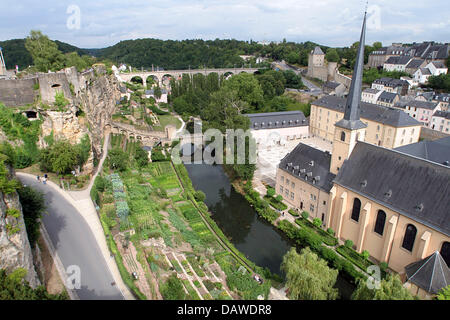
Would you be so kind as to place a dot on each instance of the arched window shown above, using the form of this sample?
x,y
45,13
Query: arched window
x,y
342,136
356,209
445,252
381,220
410,237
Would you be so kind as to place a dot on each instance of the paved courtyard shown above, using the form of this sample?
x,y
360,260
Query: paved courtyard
x,y
270,156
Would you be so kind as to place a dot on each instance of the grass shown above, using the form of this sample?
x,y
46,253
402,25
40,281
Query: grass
x,y
354,257
165,121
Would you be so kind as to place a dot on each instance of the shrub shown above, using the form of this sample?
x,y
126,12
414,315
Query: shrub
x,y
349,243
383,266
330,231
270,192
305,215
317,222
365,254
199,196
279,198
293,213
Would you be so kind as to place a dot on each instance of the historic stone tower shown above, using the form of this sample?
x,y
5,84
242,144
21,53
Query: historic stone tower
x,y
350,129
2,64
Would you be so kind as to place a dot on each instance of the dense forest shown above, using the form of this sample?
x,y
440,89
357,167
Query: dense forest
x,y
185,54
15,53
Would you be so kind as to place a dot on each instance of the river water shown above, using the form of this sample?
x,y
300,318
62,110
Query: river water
x,y
257,239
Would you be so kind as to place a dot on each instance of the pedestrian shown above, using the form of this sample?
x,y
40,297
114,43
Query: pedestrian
x,y
38,178
44,181
45,176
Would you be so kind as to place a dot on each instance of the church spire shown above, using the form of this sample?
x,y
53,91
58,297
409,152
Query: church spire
x,y
351,118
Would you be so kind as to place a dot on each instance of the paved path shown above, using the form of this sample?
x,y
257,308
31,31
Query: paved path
x,y
75,243
75,226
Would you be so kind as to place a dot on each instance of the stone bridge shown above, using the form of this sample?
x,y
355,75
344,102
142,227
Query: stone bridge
x,y
148,138
158,76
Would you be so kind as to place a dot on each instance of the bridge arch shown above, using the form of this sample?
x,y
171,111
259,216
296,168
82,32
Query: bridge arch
x,y
228,74
152,79
137,79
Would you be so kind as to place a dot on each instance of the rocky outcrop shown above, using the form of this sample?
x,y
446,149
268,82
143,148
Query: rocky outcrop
x,y
15,250
98,101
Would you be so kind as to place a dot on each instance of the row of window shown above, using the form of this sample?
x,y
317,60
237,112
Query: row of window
x,y
410,233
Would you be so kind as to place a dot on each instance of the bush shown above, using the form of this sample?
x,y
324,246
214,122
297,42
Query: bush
x,y
365,254
317,222
383,266
305,215
270,192
173,289
279,198
199,196
293,213
349,243
330,231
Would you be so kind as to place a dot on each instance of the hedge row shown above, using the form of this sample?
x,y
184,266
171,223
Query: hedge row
x,y
327,238
304,237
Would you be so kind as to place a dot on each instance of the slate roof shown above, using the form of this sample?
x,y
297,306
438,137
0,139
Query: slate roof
x,y
389,82
272,120
442,114
444,97
414,187
317,50
425,71
437,151
310,165
431,274
422,104
387,97
331,85
385,115
401,60
372,91
439,64
415,64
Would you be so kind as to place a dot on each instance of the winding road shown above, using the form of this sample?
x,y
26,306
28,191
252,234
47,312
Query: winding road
x,y
75,244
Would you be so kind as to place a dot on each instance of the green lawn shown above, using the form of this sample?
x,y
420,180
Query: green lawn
x,y
166,120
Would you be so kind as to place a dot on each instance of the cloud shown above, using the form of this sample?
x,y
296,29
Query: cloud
x,y
329,22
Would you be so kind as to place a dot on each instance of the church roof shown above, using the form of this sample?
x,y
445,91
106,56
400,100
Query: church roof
x,y
310,165
414,187
431,274
437,151
385,115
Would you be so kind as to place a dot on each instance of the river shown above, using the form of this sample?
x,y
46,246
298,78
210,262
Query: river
x,y
257,239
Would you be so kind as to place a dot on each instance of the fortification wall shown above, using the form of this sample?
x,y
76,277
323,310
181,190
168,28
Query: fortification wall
x,y
18,92
51,83
430,134
340,78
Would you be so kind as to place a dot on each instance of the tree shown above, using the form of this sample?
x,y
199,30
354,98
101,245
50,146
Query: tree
x,y
444,293
44,52
247,89
117,159
199,196
141,157
157,92
14,287
377,45
293,57
390,289
332,55
308,277
61,157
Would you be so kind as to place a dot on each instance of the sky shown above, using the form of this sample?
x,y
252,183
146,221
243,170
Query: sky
x,y
336,23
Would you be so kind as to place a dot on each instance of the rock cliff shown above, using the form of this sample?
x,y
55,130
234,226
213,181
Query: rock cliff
x,y
15,250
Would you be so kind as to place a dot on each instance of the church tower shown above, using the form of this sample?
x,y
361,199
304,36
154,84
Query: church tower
x,y
350,129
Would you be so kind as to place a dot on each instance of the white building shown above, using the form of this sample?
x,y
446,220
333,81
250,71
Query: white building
x,y
397,63
277,127
441,122
370,95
